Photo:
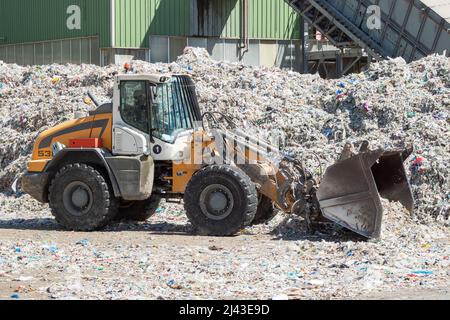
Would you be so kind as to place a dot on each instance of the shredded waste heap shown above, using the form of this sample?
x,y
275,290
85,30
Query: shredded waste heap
x,y
392,105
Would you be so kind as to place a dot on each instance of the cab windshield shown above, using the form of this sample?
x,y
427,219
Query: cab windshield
x,y
174,108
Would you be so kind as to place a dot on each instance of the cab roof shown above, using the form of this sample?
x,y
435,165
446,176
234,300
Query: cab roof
x,y
153,78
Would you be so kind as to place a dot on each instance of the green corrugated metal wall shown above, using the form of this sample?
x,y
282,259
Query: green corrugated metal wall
x,y
39,20
268,19
216,18
271,19
136,20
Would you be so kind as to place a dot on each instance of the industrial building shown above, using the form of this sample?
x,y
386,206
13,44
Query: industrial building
x,y
106,31
329,37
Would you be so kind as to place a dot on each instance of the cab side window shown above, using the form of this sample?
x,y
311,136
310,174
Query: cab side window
x,y
134,104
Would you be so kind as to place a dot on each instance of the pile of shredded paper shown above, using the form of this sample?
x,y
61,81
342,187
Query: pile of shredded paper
x,y
391,105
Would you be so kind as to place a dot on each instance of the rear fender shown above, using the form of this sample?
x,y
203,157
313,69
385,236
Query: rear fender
x,y
89,156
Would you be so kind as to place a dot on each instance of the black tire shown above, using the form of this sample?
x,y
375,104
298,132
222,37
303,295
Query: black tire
x,y
69,206
266,211
220,200
139,210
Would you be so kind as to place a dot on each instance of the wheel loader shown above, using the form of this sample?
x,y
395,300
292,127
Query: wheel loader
x,y
152,142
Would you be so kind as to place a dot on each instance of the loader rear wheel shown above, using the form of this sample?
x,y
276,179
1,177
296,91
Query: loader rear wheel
x,y
266,211
220,200
81,199
139,210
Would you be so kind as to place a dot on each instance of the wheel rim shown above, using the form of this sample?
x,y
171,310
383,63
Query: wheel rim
x,y
216,202
77,198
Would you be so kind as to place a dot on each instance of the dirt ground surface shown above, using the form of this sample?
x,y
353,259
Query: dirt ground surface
x,y
50,275
164,259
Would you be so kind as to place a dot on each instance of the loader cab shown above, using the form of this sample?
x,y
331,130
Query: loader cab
x,y
154,115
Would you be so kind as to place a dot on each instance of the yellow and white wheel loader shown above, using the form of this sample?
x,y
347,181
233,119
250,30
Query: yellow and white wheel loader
x,y
152,142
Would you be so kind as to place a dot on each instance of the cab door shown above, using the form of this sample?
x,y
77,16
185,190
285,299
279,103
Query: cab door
x,y
131,118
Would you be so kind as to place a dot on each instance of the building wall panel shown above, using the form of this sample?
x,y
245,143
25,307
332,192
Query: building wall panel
x,y
268,19
24,21
137,20
273,20
74,50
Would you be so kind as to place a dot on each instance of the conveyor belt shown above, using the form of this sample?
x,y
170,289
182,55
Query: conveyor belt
x,y
410,29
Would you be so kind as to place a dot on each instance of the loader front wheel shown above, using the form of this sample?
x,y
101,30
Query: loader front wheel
x,y
81,199
220,200
266,211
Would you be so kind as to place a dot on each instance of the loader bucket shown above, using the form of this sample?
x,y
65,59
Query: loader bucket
x,y
351,189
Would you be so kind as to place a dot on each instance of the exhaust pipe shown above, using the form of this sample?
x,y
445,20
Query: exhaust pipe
x,y
350,191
